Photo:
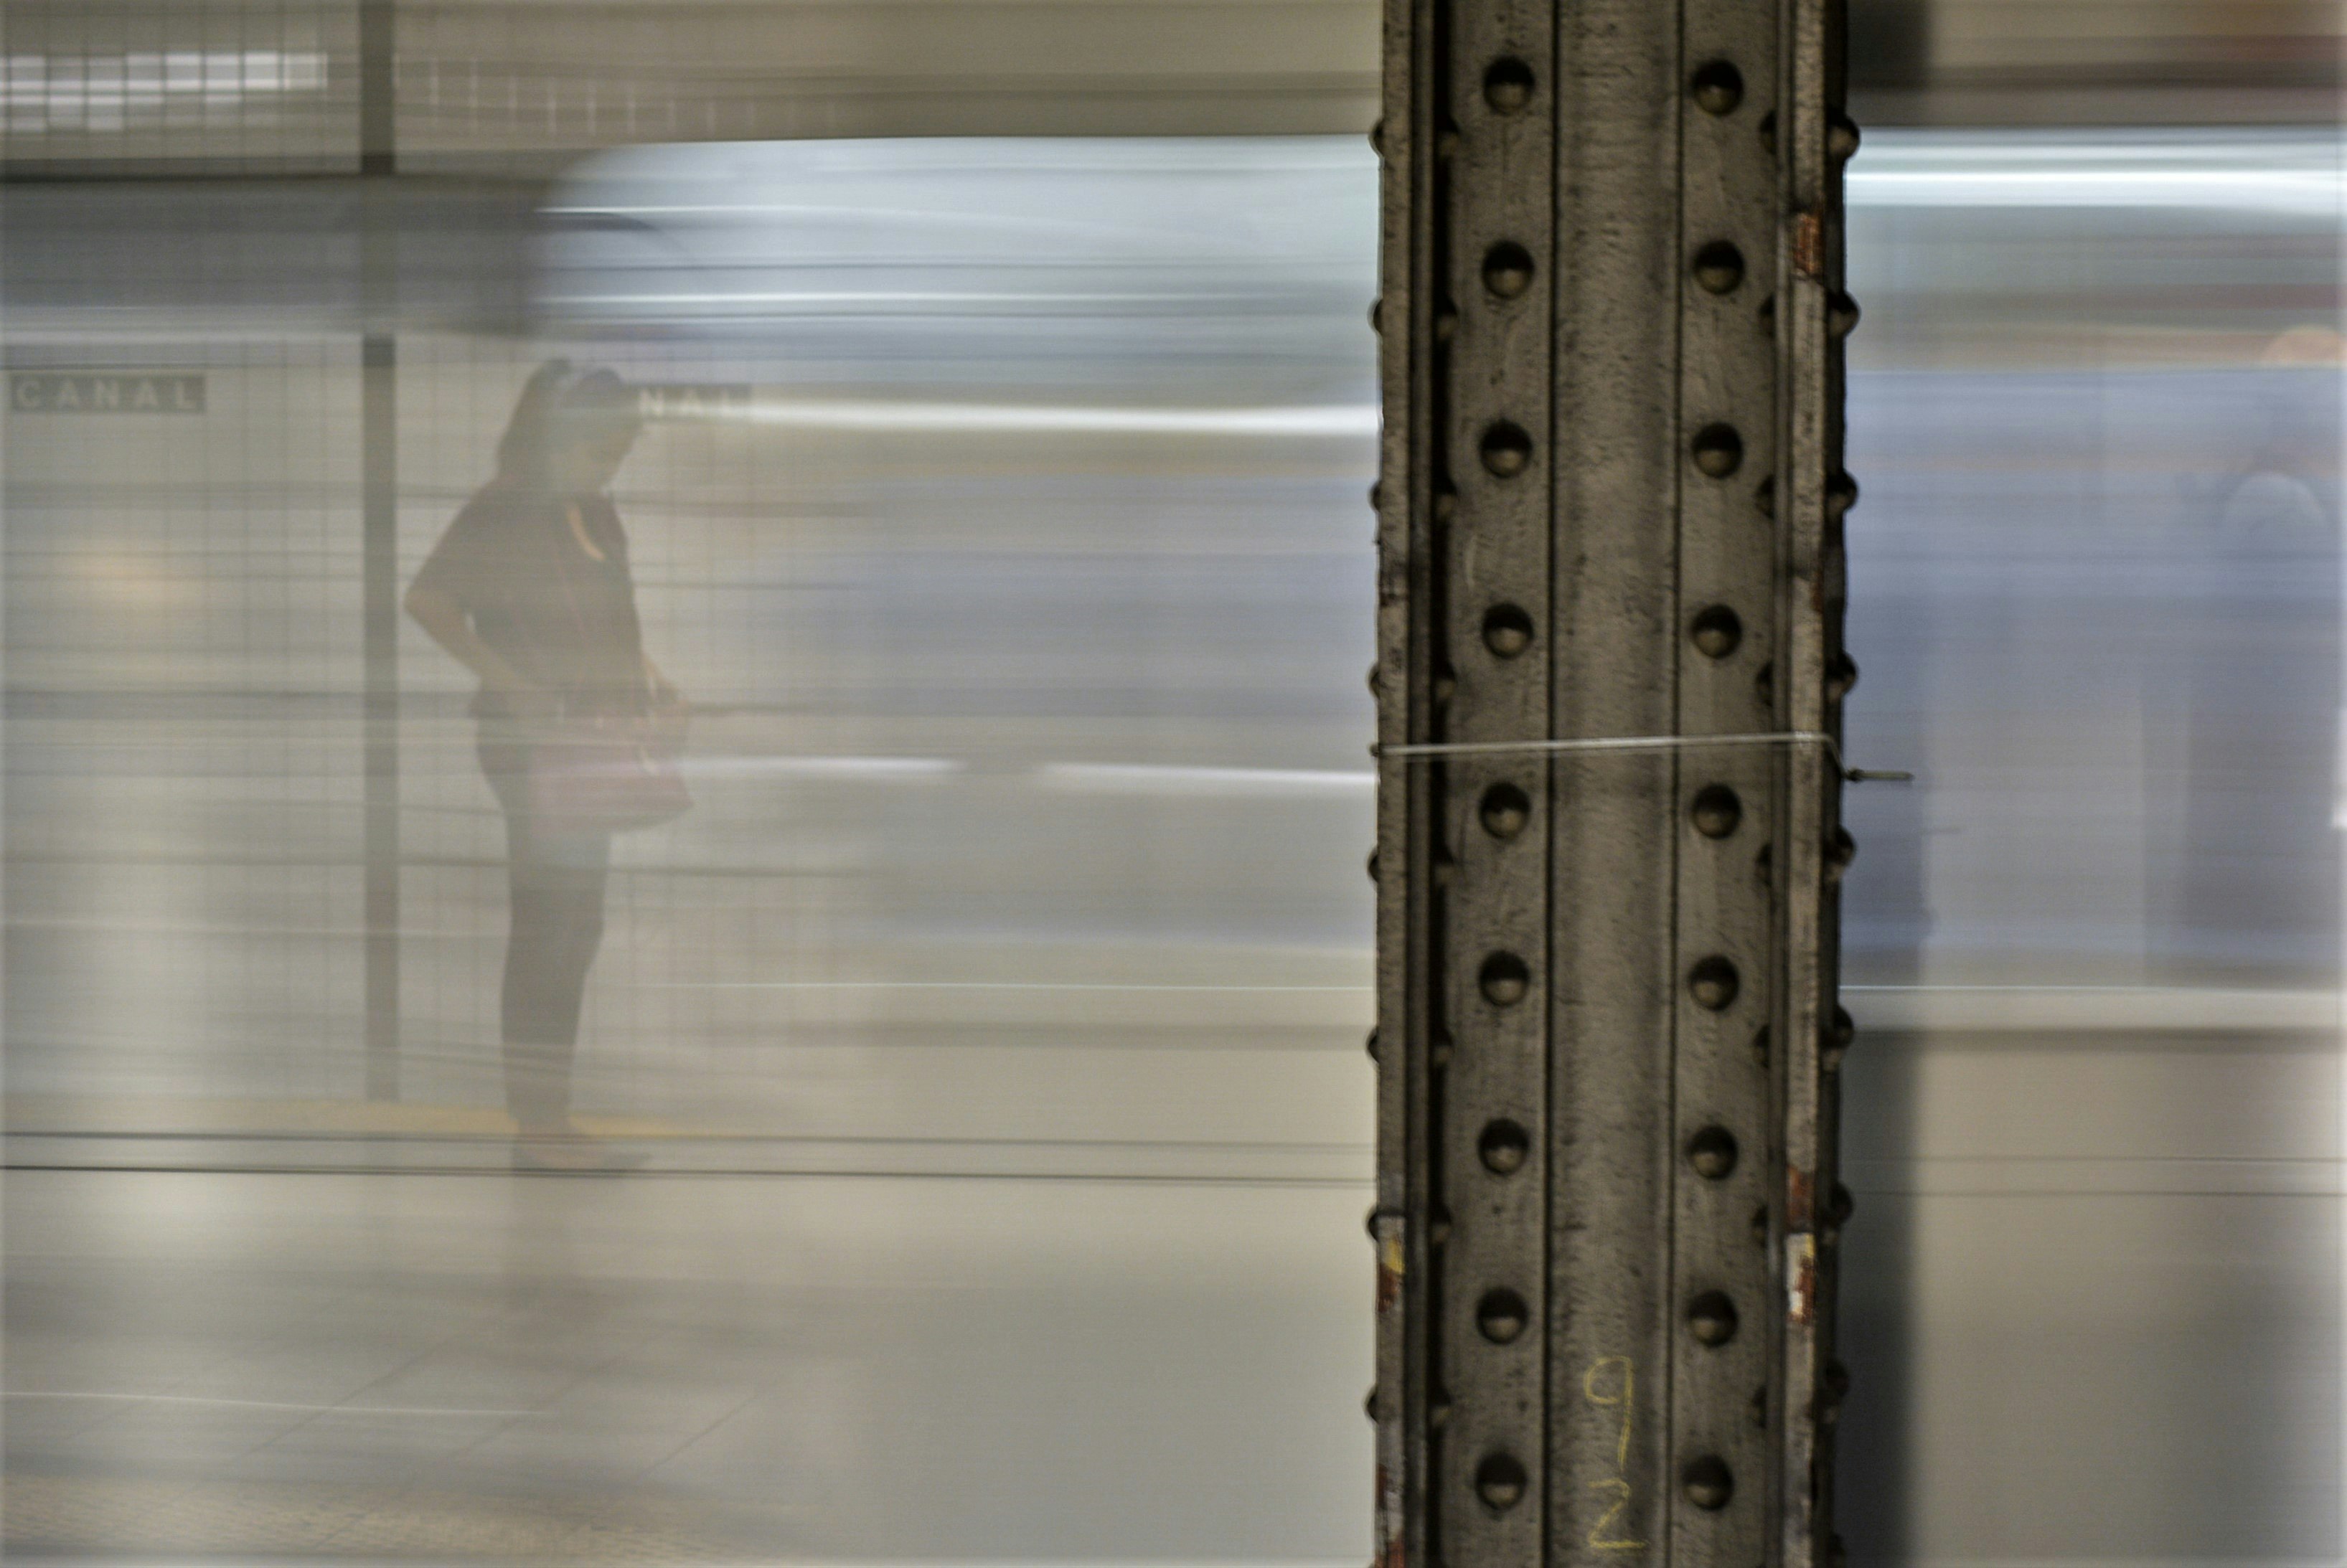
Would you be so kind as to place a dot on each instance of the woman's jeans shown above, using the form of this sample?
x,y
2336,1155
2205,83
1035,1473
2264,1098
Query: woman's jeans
x,y
555,887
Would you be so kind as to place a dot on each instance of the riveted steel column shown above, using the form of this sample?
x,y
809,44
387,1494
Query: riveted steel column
x,y
1616,972
1815,137
1608,508
1723,1289
1404,1401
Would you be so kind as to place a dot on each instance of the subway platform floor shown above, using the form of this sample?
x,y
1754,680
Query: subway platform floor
x,y
684,1367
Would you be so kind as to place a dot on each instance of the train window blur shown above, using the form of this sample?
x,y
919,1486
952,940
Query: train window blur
x,y
966,1091
2096,599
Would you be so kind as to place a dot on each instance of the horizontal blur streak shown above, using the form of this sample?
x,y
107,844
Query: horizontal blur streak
x,y
2284,175
119,86
991,1028
1359,421
1155,777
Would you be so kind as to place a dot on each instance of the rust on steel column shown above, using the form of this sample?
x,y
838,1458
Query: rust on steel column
x,y
1609,678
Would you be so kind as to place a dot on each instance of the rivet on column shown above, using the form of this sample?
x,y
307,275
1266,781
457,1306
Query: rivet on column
x,y
1504,980
1500,1316
1715,631
1503,1148
1841,850
1499,1481
1842,494
1712,1153
1841,674
1712,982
1507,451
1715,811
1708,1482
1507,630
1837,1037
1717,86
1507,270
1720,267
1504,810
1711,1318
1508,85
1718,450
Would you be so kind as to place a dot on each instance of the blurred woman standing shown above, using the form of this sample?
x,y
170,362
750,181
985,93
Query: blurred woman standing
x,y
529,588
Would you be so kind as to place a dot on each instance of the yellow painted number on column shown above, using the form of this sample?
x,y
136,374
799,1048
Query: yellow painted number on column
x,y
1610,1384
1619,1491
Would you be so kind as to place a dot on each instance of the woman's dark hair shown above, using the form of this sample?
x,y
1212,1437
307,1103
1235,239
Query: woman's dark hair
x,y
560,404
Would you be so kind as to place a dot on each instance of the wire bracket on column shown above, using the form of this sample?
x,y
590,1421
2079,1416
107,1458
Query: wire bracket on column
x,y
1649,743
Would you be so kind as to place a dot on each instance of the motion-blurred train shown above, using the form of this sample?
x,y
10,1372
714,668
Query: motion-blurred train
x,y
2064,398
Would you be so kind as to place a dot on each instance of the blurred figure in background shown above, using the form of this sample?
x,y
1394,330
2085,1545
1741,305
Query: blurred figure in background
x,y
2261,881
529,588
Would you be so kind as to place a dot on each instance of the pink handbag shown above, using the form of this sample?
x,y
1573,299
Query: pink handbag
x,y
605,776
